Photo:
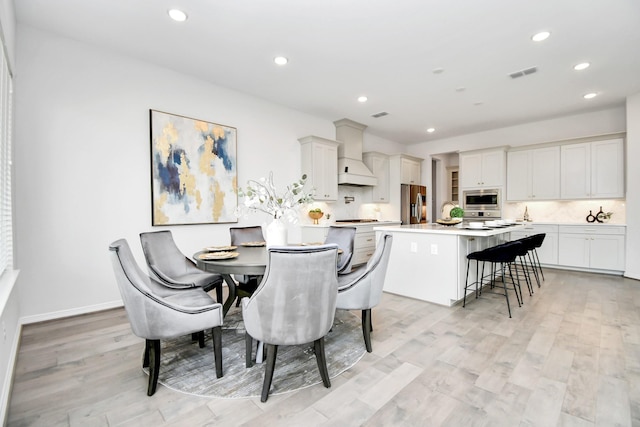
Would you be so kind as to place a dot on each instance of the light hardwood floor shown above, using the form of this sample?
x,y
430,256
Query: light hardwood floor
x,y
569,357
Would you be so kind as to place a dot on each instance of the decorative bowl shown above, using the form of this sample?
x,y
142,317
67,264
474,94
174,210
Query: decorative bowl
x,y
315,216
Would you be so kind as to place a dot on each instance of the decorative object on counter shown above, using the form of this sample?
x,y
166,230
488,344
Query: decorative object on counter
x,y
603,216
526,217
451,214
591,217
262,196
315,215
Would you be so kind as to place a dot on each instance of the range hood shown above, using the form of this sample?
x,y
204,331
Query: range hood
x,y
351,169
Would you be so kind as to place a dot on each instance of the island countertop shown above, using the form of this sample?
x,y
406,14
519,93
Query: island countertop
x,y
452,230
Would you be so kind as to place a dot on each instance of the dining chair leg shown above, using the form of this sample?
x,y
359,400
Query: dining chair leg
x,y
248,344
145,356
366,331
217,349
318,346
201,339
272,351
154,365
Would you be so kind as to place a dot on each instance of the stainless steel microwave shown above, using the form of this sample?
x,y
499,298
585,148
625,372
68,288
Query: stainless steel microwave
x,y
482,203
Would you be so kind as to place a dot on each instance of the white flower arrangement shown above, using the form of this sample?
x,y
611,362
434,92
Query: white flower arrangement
x,y
262,196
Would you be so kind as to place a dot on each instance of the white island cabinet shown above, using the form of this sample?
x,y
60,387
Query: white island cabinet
x,y
429,261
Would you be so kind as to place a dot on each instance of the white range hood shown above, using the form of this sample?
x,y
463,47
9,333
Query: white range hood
x,y
351,169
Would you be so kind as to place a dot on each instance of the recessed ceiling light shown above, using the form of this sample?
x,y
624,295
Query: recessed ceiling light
x,y
581,66
177,15
590,95
362,99
543,35
431,130
280,60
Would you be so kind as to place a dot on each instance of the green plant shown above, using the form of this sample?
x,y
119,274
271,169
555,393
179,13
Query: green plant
x,y
456,212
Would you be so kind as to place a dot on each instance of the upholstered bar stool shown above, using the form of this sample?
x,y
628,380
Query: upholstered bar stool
x,y
501,257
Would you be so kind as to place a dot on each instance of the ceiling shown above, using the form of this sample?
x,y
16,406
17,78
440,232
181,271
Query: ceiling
x,y
428,63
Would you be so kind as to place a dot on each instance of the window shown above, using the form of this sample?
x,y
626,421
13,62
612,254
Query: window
x,y
6,223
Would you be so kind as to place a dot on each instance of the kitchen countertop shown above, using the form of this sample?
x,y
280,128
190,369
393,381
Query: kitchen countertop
x,y
583,223
455,230
352,224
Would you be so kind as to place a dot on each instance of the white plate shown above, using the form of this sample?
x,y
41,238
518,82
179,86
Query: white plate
x,y
220,248
216,256
252,244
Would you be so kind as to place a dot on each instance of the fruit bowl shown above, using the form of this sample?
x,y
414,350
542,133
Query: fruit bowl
x,y
315,216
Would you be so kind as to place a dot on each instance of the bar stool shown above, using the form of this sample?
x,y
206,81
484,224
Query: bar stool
x,y
504,256
532,243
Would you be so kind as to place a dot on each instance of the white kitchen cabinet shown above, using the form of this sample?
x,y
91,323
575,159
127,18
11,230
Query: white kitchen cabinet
x,y
599,247
548,252
378,163
320,164
364,243
592,170
410,170
482,169
533,174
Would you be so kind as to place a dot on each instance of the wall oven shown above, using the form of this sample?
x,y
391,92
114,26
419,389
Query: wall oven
x,y
486,203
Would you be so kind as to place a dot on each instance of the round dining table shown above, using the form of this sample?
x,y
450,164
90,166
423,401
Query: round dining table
x,y
251,260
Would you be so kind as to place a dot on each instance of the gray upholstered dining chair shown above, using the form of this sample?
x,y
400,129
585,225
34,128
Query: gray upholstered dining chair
x,y
362,288
172,268
294,304
344,237
156,312
239,235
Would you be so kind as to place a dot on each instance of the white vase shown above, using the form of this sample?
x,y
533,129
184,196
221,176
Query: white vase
x,y
276,233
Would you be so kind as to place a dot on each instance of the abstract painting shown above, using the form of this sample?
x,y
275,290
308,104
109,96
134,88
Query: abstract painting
x,y
193,171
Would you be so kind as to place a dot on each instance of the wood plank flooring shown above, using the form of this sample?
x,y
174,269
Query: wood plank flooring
x,y
569,357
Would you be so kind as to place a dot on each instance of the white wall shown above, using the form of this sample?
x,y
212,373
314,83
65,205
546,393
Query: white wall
x,y
9,292
633,197
83,169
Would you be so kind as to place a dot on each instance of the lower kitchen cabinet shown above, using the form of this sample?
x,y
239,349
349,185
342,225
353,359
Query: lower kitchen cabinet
x,y
548,252
365,240
364,247
599,247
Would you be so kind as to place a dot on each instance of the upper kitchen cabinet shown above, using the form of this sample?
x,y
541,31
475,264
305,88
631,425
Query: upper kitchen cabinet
x,y
410,169
482,169
533,174
378,163
592,170
320,164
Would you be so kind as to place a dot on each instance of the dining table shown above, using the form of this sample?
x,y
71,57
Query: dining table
x,y
250,260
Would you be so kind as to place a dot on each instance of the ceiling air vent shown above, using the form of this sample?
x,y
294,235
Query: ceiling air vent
x,y
524,72
380,114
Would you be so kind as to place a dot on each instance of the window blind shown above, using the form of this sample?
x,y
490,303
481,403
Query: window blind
x,y
6,221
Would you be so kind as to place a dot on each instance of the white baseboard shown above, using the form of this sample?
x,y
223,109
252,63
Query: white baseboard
x,y
71,312
8,378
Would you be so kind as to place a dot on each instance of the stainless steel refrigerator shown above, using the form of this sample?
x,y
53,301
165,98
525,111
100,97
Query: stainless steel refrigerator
x,y
413,209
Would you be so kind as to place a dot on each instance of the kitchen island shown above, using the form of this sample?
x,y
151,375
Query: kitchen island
x,y
429,261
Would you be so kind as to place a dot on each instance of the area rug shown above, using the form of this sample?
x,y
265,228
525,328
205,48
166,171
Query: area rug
x,y
187,368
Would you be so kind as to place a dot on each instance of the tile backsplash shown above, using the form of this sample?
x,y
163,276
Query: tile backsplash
x,y
566,211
